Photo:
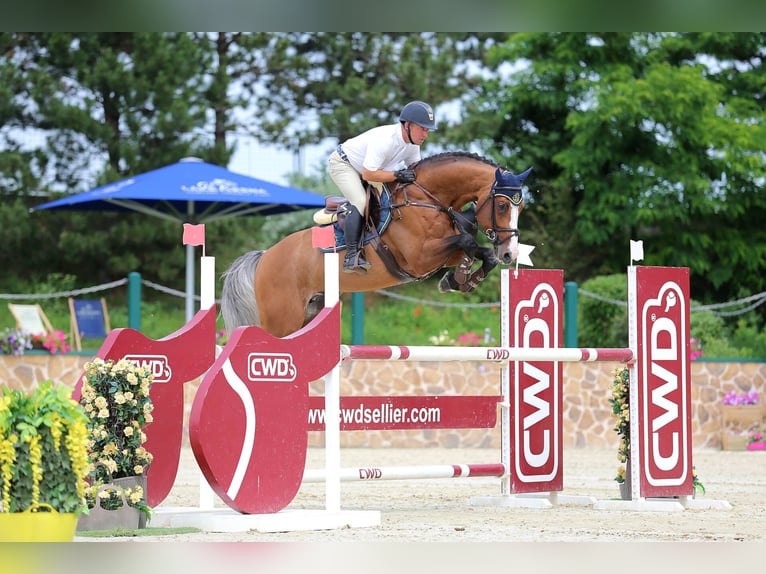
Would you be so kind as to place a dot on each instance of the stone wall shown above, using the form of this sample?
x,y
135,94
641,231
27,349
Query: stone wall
x,y
586,390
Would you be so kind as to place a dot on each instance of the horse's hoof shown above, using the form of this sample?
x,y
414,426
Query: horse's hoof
x,y
448,283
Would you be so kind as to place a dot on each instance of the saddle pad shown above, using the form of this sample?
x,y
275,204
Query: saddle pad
x,y
382,224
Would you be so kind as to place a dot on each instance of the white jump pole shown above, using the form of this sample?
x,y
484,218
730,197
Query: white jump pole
x,y
484,354
332,393
207,300
371,474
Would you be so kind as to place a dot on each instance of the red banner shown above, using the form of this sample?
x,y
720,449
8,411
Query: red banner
x,y
536,320
664,404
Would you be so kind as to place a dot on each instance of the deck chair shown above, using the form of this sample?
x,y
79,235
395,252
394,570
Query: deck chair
x,y
31,319
89,320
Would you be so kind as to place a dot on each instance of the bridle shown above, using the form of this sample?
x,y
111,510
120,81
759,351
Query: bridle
x,y
511,193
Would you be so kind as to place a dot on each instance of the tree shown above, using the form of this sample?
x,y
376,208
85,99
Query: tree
x,y
319,85
105,106
652,136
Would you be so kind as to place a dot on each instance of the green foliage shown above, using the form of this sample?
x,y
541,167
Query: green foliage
x,y
603,323
49,420
652,135
632,135
389,321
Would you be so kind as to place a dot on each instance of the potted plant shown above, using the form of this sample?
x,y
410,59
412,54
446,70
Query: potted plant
x,y
620,402
739,413
43,463
15,342
115,396
756,439
54,342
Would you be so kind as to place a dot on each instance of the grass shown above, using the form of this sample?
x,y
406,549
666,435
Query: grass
x,y
387,320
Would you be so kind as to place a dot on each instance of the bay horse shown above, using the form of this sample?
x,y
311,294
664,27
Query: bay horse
x,y
422,228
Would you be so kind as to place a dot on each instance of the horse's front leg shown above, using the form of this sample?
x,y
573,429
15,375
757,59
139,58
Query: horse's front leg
x,y
450,280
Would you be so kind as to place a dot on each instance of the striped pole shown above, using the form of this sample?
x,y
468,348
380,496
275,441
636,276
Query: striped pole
x,y
487,354
366,474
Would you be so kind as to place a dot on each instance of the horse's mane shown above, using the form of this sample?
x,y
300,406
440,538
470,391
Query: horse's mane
x,y
453,155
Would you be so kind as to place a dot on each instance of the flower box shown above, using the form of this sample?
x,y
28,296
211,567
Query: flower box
x,y
732,441
736,420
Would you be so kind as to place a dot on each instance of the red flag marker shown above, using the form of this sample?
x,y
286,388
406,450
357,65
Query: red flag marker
x,y
323,236
195,235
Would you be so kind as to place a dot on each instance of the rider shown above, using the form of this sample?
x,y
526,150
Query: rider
x,y
376,156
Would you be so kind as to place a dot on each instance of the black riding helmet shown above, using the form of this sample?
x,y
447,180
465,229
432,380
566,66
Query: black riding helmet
x,y
419,113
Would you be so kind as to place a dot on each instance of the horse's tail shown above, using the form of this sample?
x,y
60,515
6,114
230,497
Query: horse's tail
x,y
238,306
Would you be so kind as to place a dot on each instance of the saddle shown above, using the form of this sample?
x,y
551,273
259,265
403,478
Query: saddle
x,y
377,217
335,207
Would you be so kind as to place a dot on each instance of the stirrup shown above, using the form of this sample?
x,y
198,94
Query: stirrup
x,y
356,263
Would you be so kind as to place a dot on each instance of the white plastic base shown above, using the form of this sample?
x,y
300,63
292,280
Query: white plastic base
x,y
227,520
534,500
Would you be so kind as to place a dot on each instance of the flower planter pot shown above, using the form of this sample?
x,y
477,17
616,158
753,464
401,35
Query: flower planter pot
x,y
126,516
735,421
730,441
626,485
34,526
756,446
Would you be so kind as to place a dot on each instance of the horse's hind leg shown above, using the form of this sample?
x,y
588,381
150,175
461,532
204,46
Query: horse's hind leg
x,y
313,307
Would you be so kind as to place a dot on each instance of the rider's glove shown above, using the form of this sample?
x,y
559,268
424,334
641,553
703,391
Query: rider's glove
x,y
404,176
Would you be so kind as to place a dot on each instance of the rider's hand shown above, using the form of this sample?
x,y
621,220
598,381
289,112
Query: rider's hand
x,y
404,176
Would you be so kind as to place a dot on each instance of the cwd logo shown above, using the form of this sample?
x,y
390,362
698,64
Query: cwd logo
x,y
663,393
370,473
536,325
270,367
159,365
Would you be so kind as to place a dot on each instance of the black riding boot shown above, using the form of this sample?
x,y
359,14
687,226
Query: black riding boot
x,y
354,262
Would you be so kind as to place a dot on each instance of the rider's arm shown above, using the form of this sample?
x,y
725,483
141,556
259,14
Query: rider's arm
x,y
379,175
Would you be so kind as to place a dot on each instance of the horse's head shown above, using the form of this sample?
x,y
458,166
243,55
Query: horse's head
x,y
504,203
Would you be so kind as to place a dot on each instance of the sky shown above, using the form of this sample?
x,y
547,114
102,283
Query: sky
x,y
272,164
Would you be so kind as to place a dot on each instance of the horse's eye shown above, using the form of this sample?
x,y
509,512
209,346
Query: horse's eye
x,y
502,207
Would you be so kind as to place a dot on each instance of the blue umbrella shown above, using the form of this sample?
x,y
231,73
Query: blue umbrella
x,y
191,191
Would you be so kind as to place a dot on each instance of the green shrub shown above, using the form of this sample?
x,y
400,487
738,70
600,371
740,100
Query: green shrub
x,y
603,323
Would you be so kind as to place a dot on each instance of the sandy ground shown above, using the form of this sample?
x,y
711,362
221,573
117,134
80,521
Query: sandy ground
x,y
439,510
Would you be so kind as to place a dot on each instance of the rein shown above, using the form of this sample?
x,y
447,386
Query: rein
x,y
460,221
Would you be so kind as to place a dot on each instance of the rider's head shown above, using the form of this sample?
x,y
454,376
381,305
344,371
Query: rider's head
x,y
420,114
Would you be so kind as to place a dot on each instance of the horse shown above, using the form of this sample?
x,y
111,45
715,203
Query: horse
x,y
413,230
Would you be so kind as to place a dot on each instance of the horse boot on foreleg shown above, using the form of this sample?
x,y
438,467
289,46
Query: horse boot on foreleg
x,y
463,270
489,262
453,279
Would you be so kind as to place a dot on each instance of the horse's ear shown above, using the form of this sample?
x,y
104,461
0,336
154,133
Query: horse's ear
x,y
523,175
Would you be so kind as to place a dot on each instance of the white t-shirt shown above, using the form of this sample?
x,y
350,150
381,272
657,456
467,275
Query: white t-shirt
x,y
380,148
